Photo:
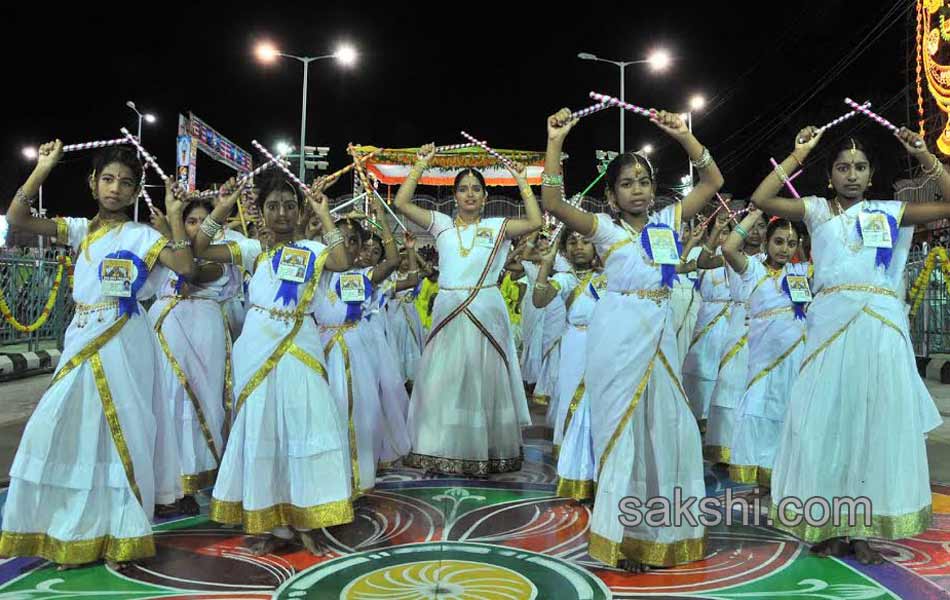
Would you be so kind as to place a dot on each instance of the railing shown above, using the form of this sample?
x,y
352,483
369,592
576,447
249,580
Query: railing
x,y
930,327
26,278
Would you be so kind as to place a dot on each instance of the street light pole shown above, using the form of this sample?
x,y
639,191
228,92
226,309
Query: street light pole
x,y
266,52
303,120
658,61
623,87
151,119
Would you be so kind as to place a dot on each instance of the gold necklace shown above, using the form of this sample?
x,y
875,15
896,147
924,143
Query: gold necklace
x,y
459,225
847,224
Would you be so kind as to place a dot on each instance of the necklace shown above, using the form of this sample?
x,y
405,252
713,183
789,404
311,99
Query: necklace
x,y
635,238
847,225
459,225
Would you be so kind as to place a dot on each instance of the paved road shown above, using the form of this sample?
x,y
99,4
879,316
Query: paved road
x,y
18,398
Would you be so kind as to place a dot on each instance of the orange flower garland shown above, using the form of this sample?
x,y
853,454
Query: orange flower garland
x,y
64,263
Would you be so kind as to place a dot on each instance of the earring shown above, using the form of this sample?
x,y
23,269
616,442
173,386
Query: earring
x,y
870,184
830,187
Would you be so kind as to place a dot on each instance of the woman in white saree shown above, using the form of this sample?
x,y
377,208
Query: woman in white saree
x,y
284,470
858,413
468,403
84,481
778,297
646,443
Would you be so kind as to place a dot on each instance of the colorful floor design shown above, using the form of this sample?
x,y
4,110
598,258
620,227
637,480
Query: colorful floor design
x,y
507,538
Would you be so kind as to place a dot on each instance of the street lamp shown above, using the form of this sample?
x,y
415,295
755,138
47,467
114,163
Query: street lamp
x,y
268,53
29,153
659,60
148,118
283,147
647,149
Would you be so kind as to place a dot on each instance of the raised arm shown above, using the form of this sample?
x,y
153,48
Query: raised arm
x,y
694,239
544,292
710,178
559,125
390,260
19,216
418,215
178,255
413,274
707,258
732,247
532,220
766,195
917,213
229,193
339,259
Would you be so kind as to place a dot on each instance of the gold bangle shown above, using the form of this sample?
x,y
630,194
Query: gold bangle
x,y
800,163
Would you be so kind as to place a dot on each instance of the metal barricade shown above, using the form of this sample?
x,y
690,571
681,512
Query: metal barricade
x,y
26,279
930,327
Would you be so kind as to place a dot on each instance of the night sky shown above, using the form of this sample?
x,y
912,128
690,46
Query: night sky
x,y
427,71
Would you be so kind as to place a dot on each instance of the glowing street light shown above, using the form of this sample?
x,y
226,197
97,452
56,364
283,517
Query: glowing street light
x,y
30,153
658,60
647,149
697,102
346,55
283,147
267,52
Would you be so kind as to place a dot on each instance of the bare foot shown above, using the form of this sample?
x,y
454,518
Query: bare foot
x,y
166,510
632,566
314,544
67,567
120,567
268,545
865,554
188,506
836,547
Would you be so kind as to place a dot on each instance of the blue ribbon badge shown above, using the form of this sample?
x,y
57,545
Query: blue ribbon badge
x,y
287,292
797,307
118,280
883,257
354,307
667,272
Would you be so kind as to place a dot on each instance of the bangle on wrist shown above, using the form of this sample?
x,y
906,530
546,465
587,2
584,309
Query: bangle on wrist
x,y
549,180
178,244
741,231
705,159
796,159
210,227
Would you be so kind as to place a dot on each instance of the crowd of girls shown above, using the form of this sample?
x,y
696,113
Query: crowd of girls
x,y
282,372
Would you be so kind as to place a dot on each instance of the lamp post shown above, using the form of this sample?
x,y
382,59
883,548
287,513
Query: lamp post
x,y
267,53
658,60
148,118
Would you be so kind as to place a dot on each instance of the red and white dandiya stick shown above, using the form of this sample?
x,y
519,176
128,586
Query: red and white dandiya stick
x,y
281,166
454,147
837,121
96,144
876,117
243,178
148,157
487,149
590,110
610,100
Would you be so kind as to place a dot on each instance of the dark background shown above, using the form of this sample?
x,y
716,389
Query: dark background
x,y
426,71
